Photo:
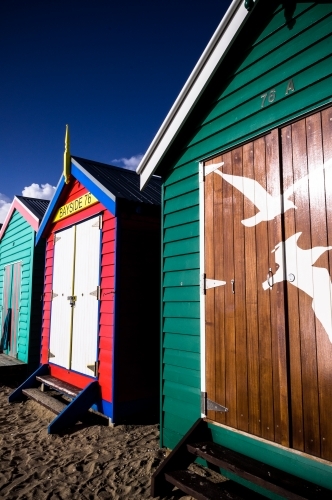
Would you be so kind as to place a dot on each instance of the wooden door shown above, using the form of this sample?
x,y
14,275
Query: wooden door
x,y
269,344
85,312
11,300
15,306
307,174
245,324
61,314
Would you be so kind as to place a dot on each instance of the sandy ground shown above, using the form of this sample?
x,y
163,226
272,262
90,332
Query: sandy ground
x,y
89,461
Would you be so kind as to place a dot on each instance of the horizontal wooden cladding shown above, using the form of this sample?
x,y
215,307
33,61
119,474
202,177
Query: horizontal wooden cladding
x,y
186,326
182,232
181,310
175,390
181,294
182,359
181,262
181,278
178,424
180,408
302,56
180,342
183,376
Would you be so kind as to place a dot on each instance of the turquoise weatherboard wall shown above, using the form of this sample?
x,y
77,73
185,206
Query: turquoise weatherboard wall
x,y
14,249
285,56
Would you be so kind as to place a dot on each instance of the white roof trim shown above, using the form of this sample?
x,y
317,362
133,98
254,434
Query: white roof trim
x,y
192,89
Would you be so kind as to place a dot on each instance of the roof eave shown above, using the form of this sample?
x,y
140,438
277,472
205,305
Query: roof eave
x,y
30,217
198,79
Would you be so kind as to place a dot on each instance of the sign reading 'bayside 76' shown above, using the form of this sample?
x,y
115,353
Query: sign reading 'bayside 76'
x,y
84,201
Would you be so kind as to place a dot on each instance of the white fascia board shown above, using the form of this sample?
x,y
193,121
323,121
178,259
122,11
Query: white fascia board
x,y
192,89
94,180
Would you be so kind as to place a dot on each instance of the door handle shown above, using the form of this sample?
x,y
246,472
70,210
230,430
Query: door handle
x,y
233,287
268,277
72,299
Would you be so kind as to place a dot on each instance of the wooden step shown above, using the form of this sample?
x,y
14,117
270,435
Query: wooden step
x,y
44,399
259,473
59,385
202,489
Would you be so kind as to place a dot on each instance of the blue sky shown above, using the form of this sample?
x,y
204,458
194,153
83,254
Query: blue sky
x,y
112,70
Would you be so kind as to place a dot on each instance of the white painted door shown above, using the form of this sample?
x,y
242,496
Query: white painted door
x,y
85,312
61,315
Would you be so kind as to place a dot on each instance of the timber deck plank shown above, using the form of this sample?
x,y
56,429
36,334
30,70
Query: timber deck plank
x,y
202,489
259,473
9,361
59,385
45,400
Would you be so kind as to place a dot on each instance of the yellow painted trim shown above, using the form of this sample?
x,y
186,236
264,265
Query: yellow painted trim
x,y
84,201
66,157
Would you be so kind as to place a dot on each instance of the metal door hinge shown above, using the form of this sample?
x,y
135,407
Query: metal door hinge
x,y
53,295
207,404
94,368
207,283
50,354
99,222
56,238
96,293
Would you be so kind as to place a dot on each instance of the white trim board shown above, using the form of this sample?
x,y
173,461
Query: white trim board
x,y
192,89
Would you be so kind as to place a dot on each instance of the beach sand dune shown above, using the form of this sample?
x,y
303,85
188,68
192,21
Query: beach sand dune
x,y
89,461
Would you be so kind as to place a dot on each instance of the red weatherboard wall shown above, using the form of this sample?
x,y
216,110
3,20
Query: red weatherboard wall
x,y
73,191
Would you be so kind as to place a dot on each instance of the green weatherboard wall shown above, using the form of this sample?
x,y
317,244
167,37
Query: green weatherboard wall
x,y
270,55
16,245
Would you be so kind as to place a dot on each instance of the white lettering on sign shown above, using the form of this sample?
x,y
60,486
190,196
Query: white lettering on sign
x,y
84,201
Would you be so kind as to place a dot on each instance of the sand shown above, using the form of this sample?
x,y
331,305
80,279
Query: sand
x,y
89,461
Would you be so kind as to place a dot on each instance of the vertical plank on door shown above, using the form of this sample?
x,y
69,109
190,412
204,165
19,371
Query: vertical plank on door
x,y
277,298
219,295
229,324
15,304
324,346
264,316
307,320
240,299
86,309
62,286
295,369
209,299
250,255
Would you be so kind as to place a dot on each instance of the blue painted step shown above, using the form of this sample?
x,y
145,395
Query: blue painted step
x,y
82,399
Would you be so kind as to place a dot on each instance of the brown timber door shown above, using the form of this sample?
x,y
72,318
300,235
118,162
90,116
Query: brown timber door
x,y
269,329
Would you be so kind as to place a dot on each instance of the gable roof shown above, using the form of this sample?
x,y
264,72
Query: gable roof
x,y
35,205
106,183
121,182
202,73
32,209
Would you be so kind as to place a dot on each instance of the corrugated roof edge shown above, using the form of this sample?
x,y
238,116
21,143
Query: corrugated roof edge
x,y
38,211
199,77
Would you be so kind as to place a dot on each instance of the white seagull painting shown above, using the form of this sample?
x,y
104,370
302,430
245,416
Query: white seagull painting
x,y
300,271
269,206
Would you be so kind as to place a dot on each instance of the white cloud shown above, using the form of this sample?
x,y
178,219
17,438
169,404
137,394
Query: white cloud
x,y
129,163
4,207
44,191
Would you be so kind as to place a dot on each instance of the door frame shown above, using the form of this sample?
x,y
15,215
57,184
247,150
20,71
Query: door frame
x,y
202,276
99,214
3,291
